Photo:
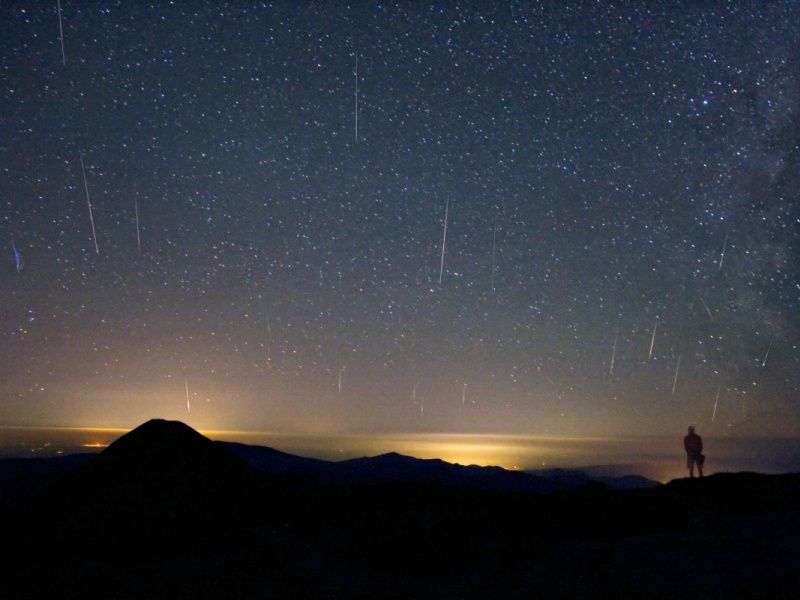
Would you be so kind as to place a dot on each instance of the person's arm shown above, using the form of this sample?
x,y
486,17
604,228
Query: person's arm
x,y
699,445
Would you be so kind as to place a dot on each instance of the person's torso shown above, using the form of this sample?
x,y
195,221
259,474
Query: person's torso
x,y
692,443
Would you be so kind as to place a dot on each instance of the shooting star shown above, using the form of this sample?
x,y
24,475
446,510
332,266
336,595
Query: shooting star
x,y
188,404
708,310
494,238
91,218
17,256
414,400
677,368
722,256
61,35
716,400
356,106
464,395
340,379
444,239
614,353
652,341
136,213
764,362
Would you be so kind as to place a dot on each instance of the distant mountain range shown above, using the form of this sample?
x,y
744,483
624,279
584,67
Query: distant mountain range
x,y
160,443
394,467
165,512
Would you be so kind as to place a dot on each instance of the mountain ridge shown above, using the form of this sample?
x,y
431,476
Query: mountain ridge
x,y
168,513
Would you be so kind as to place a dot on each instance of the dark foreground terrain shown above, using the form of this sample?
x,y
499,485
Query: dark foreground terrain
x,y
166,513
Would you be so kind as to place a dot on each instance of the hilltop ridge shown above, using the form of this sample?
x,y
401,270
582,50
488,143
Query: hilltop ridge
x,y
165,511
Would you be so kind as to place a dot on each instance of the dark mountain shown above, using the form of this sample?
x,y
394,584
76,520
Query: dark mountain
x,y
163,481
165,512
627,482
276,462
22,479
166,463
397,468
737,493
388,468
568,479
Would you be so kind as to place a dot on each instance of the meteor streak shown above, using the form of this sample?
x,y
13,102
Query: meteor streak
x,y
17,256
356,106
722,256
652,341
136,213
494,237
764,362
677,368
88,202
61,34
708,310
444,239
614,353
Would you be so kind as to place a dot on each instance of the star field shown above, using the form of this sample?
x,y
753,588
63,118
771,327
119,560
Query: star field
x,y
608,168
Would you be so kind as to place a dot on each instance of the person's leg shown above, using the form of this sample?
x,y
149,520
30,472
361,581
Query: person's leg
x,y
700,469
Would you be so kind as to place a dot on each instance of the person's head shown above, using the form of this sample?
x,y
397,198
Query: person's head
x,y
691,428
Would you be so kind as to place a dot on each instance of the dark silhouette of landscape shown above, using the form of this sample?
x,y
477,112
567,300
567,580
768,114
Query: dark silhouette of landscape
x,y
166,512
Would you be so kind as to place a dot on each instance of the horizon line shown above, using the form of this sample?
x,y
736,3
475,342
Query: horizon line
x,y
546,436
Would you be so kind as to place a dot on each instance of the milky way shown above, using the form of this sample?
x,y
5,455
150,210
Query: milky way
x,y
268,189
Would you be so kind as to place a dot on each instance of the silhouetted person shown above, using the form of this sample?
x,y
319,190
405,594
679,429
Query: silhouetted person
x,y
693,444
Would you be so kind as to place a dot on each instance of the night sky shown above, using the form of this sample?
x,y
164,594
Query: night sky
x,y
606,168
